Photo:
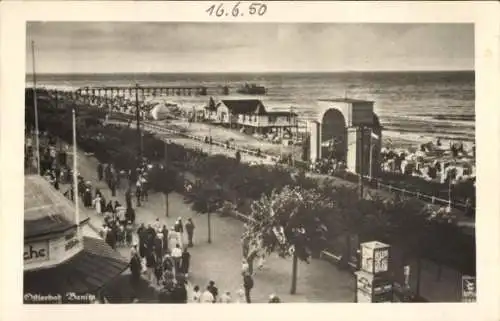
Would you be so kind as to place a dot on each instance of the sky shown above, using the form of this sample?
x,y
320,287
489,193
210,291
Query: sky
x,y
135,47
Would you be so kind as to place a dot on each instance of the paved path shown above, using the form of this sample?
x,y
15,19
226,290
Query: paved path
x,y
220,261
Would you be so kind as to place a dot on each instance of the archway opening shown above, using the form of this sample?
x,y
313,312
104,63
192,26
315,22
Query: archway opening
x,y
333,135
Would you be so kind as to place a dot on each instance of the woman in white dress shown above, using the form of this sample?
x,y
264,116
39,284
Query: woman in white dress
x,y
97,205
173,239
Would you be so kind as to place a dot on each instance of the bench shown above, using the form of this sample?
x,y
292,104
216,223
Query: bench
x,y
336,259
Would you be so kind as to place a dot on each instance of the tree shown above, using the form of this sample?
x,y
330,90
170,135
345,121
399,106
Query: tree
x,y
288,222
205,197
168,184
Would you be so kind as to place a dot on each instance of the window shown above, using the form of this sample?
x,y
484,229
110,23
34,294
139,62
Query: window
x,y
272,119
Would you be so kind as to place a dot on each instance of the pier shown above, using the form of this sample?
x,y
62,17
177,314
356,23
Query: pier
x,y
113,91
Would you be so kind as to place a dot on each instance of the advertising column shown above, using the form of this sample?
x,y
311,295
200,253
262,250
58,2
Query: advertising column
x,y
373,283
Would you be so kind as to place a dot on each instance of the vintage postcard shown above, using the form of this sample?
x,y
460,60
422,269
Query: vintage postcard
x,y
254,153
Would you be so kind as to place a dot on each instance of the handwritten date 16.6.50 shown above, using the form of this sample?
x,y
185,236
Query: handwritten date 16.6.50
x,y
237,10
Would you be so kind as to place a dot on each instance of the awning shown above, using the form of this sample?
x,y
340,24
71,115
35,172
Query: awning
x,y
85,273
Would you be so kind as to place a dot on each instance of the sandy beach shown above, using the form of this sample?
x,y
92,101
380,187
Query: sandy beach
x,y
391,140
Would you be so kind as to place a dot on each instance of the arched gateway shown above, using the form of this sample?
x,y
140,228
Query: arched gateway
x,y
347,130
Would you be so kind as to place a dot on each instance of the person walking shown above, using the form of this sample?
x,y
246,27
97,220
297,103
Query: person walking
x,y
129,233
158,245
135,269
207,296
103,203
107,173
111,238
164,232
100,171
185,260
133,250
248,286
226,297
138,192
173,238
213,289
158,271
168,264
157,225
97,204
121,234
240,296
190,231
142,234
196,294
87,198
112,186
128,198
179,229
144,188
130,215
120,213
177,256
150,265
109,208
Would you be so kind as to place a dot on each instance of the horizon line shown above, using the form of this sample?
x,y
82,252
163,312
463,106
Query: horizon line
x,y
251,72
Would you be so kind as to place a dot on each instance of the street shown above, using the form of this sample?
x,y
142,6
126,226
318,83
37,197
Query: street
x,y
220,261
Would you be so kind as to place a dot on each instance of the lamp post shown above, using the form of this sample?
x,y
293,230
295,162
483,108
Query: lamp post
x,y
372,137
75,176
138,121
361,163
166,170
209,228
35,106
293,140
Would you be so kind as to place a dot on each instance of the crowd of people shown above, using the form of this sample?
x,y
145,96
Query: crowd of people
x,y
158,254
162,257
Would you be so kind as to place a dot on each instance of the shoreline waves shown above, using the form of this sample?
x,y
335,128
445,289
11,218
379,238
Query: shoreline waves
x,y
415,107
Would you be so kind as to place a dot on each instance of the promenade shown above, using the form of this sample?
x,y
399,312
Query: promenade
x,y
220,261
462,220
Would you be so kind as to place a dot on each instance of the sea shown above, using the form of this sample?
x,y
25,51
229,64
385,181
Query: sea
x,y
412,106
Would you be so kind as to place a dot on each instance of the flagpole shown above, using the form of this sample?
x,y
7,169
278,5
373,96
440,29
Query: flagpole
x,y
35,105
371,155
75,175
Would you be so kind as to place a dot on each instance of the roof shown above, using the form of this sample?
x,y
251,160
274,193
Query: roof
x,y
85,272
345,100
245,106
281,113
46,210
